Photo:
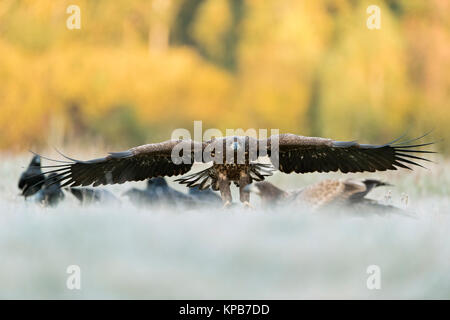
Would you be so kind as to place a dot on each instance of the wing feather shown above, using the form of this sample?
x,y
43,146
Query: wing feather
x,y
136,164
311,154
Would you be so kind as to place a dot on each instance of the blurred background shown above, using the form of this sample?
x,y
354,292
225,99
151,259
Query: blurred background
x,y
136,70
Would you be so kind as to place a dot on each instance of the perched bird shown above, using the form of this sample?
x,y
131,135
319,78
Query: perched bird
x,y
204,196
92,195
165,193
140,197
270,194
32,179
234,160
51,193
158,192
342,193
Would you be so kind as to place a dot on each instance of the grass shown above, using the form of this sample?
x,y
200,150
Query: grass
x,y
125,252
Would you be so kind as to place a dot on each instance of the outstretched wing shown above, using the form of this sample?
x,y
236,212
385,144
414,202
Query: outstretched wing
x,y
136,164
309,154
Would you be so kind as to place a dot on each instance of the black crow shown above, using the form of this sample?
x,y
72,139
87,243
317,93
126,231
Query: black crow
x,y
91,195
32,179
51,193
158,192
204,196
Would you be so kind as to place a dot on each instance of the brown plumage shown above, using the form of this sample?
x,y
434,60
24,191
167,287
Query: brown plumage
x,y
294,153
340,192
344,193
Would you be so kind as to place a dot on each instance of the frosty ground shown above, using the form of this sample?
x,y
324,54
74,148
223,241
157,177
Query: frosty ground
x,y
126,252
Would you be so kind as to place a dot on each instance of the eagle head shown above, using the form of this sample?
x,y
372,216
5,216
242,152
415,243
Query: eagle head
x,y
36,161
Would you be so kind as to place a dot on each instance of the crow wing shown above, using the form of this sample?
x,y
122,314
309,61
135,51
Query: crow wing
x,y
310,154
136,164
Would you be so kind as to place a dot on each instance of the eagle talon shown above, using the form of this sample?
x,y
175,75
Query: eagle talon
x,y
247,205
227,205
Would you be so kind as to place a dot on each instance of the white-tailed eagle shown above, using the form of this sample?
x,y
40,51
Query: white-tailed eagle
x,y
233,161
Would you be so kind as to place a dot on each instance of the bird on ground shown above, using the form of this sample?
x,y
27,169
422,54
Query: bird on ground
x,y
158,192
349,194
204,196
140,198
91,195
165,193
50,194
31,179
235,160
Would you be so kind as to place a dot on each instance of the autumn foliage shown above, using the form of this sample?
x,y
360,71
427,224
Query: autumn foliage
x,y
138,69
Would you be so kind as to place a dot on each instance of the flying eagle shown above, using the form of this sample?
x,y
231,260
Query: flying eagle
x,y
291,153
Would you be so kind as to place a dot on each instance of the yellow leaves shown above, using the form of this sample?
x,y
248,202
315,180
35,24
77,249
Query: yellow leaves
x,y
36,90
213,21
299,66
365,75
